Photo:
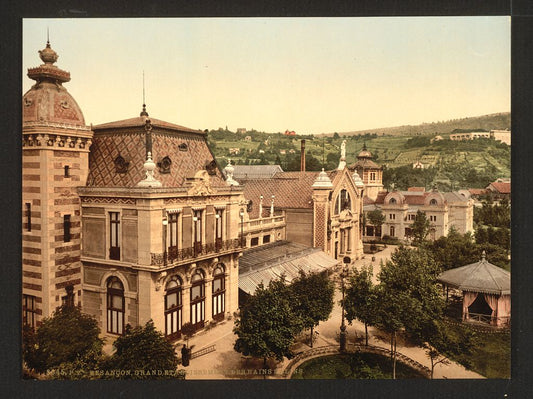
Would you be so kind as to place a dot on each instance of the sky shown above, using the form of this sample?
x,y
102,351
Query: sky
x,y
310,75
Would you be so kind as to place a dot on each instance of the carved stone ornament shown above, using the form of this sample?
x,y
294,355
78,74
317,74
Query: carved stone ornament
x,y
201,185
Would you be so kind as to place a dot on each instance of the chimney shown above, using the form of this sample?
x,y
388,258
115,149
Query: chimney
x,y
302,157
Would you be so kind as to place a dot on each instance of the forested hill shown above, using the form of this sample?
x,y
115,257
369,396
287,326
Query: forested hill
x,y
485,122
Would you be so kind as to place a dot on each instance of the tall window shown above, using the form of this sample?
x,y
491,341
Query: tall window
x,y
372,176
173,308
172,231
197,299
28,216
219,293
218,228
343,202
433,218
66,228
197,231
114,235
115,306
67,171
392,231
392,216
28,310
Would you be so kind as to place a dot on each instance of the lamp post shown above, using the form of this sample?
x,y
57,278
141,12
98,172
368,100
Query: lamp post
x,y
344,274
241,214
165,223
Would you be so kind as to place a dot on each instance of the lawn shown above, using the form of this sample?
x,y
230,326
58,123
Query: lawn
x,y
353,366
489,353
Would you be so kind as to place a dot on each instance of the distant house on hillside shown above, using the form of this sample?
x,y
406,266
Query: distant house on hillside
x,y
436,138
290,133
241,130
234,151
501,135
500,189
418,165
248,138
469,136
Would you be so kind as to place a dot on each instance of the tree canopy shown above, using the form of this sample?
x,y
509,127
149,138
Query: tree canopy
x,y
66,337
420,227
266,326
360,298
312,298
145,353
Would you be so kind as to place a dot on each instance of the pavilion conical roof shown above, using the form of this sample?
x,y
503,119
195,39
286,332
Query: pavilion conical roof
x,y
481,277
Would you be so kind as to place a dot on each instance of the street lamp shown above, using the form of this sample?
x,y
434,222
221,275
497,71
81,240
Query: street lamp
x,y
241,214
344,274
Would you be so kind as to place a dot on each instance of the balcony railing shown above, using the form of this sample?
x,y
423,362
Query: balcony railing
x,y
198,250
488,319
257,224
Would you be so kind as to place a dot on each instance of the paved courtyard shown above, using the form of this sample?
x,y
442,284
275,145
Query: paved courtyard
x,y
225,363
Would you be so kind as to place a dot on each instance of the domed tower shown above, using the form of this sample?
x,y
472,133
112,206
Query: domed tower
x,y
370,172
55,154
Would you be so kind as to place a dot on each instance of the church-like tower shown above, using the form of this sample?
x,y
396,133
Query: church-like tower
x,y
55,156
370,172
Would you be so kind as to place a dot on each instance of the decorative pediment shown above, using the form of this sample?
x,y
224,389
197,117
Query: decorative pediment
x,y
200,184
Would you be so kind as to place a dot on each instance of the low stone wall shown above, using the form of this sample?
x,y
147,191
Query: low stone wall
x,y
334,350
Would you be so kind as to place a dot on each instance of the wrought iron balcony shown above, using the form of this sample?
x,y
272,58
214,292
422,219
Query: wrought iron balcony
x,y
175,255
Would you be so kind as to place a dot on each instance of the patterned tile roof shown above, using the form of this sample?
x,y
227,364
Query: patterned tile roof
x,y
127,140
139,122
291,190
364,164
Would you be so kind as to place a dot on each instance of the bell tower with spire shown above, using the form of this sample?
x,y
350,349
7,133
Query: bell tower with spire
x,y
55,161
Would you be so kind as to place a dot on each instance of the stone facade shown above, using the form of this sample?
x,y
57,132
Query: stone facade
x,y
55,150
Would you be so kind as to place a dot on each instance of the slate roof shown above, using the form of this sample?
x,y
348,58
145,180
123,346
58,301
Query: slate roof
x,y
291,190
269,262
481,277
255,171
127,138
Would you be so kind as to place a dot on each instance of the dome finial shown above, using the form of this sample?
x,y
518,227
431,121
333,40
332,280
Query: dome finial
x,y
483,256
143,112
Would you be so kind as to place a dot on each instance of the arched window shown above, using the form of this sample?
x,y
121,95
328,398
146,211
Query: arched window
x,y
219,293
173,308
433,202
115,306
197,299
343,202
392,201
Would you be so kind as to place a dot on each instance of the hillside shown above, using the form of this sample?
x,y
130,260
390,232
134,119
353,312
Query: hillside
x,y
449,164
485,122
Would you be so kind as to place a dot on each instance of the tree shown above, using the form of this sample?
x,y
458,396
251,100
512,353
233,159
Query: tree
x,y
376,218
266,326
420,227
312,298
360,299
143,353
407,295
67,336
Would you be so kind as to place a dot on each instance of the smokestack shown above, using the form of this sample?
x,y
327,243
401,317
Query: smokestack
x,y
302,157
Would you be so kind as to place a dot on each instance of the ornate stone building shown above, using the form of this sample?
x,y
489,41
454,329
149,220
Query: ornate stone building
x,y
321,209
55,153
371,173
144,226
